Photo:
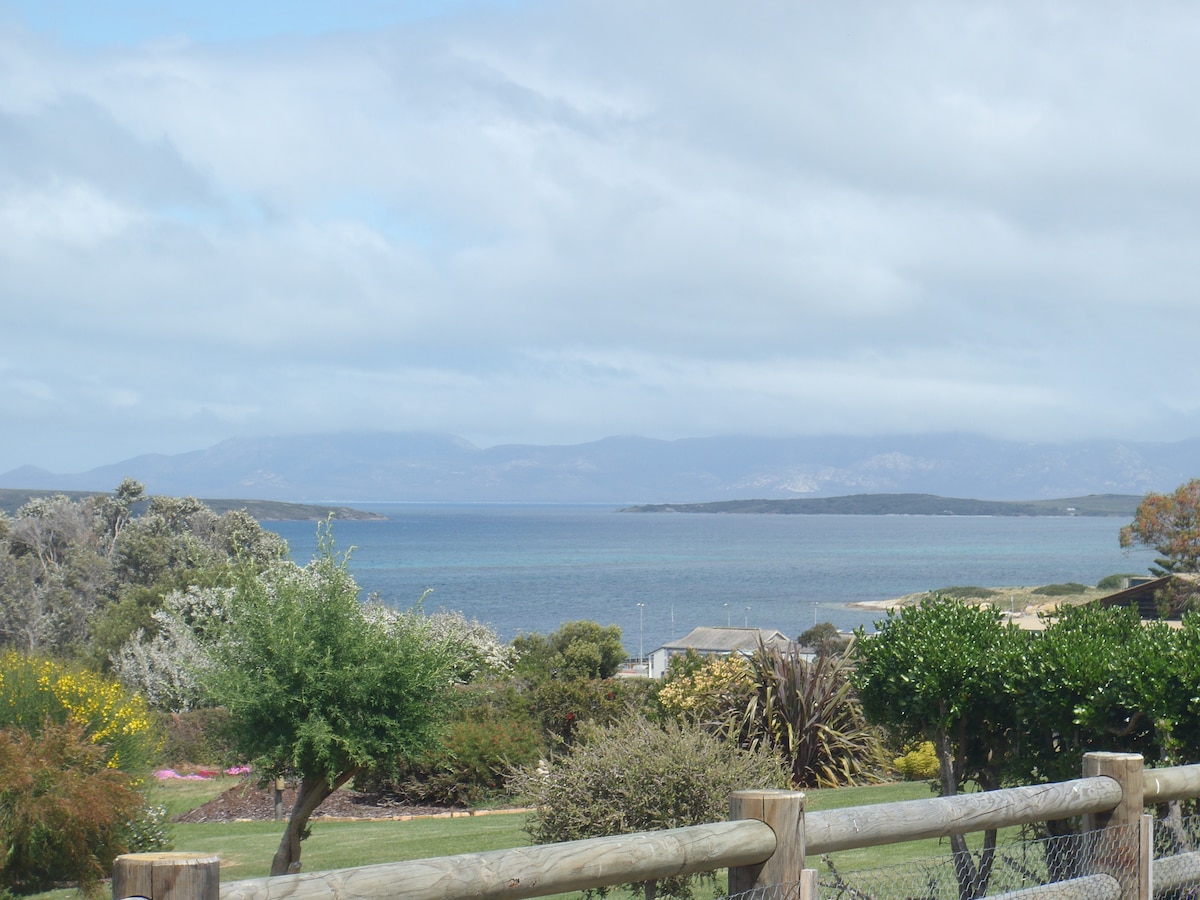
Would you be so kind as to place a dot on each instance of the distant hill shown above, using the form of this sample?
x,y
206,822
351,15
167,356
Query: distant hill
x,y
12,499
420,467
911,505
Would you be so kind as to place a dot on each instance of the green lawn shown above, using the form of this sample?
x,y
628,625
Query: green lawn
x,y
246,848
182,795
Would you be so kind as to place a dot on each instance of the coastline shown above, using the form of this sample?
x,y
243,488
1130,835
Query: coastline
x,y
1025,608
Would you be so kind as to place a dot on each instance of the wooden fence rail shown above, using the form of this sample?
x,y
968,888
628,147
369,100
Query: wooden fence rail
x,y
532,871
831,830
764,844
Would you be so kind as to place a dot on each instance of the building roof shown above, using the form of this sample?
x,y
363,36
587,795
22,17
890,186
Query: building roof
x,y
1145,596
726,640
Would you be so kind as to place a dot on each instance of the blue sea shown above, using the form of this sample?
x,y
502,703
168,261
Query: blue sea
x,y
525,568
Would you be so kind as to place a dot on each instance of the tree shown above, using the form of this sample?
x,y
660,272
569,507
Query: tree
x,y
824,638
579,649
79,577
1170,523
317,686
1087,683
169,667
567,678
940,672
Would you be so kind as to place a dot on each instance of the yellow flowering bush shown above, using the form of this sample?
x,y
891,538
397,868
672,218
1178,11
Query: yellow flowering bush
x,y
920,763
716,690
35,690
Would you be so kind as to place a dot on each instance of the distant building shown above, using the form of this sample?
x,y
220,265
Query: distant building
x,y
716,641
1158,598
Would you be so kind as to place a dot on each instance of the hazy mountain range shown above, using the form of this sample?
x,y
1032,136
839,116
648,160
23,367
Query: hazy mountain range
x,y
431,467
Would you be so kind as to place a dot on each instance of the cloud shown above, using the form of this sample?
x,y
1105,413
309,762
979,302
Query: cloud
x,y
551,223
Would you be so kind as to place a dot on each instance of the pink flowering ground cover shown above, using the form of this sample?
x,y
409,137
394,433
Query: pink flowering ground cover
x,y
200,774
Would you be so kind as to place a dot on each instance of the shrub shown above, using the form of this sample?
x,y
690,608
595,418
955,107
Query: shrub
x,y
474,763
149,830
561,707
65,813
198,737
967,592
636,776
35,691
920,763
1061,590
808,712
710,694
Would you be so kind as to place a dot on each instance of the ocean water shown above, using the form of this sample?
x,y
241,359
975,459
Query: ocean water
x,y
529,568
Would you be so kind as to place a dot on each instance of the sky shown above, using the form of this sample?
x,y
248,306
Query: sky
x,y
550,222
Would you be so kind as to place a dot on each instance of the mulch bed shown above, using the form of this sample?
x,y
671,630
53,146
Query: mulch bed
x,y
248,801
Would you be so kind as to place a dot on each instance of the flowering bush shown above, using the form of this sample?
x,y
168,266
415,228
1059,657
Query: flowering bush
x,y
169,668
713,693
920,763
149,831
34,691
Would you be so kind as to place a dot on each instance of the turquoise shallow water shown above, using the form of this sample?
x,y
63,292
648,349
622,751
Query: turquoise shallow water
x,y
530,568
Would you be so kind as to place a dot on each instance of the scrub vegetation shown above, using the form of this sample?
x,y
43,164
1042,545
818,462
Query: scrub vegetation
x,y
152,631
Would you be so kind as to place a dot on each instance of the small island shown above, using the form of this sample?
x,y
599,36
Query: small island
x,y
1123,505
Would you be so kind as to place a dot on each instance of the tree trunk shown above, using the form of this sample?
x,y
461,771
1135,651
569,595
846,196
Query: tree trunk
x,y
313,791
972,875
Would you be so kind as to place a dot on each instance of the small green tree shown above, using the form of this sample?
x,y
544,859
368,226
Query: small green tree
x,y
941,672
579,649
824,638
1083,685
317,685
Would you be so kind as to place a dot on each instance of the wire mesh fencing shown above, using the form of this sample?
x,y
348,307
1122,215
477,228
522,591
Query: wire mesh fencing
x,y
1176,869
1075,866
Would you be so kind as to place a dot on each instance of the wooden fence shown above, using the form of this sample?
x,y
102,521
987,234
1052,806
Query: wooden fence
x,y
763,845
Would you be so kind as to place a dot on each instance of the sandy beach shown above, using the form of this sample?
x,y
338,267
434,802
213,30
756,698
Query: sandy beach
x,y
1020,604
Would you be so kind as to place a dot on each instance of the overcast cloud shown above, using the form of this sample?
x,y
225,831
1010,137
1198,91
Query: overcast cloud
x,y
552,222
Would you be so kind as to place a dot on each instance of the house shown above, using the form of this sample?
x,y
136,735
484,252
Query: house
x,y
716,641
1158,598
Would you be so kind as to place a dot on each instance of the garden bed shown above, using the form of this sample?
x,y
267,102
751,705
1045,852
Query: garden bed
x,y
248,801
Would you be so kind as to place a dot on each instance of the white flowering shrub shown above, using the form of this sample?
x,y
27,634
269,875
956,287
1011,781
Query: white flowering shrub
x,y
168,668
477,649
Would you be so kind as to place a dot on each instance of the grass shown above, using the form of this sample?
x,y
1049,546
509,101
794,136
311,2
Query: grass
x,y
182,795
246,848
886,854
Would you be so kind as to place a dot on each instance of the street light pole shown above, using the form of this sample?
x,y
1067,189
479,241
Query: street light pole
x,y
727,614
641,648
746,621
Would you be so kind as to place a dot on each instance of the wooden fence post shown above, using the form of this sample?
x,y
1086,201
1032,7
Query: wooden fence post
x,y
1117,845
167,876
784,812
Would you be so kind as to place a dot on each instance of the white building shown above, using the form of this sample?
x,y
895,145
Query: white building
x,y
715,641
